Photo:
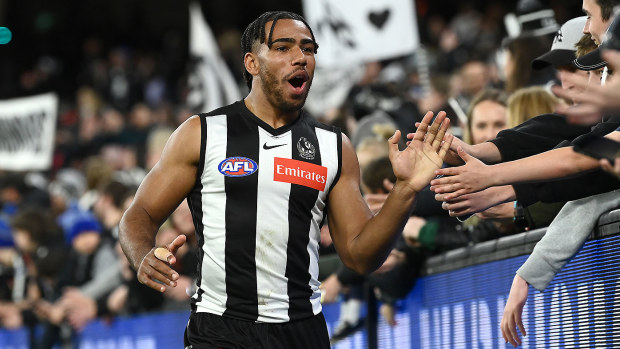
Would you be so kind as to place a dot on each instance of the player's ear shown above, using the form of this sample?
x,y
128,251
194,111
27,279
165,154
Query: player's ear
x,y
250,60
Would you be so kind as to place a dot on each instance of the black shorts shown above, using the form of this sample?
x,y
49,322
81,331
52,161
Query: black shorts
x,y
209,331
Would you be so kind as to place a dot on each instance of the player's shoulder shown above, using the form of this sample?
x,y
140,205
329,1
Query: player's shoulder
x,y
225,110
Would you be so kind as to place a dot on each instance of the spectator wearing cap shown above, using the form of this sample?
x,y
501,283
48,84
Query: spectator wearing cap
x,y
593,61
91,270
604,31
563,51
537,135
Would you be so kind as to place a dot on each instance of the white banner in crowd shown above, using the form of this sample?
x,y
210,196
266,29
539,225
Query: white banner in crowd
x,y
211,83
331,87
350,31
27,129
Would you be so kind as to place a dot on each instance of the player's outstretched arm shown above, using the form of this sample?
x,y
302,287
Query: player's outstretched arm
x,y
363,240
162,190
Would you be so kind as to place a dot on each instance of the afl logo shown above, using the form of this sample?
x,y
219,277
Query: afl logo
x,y
237,166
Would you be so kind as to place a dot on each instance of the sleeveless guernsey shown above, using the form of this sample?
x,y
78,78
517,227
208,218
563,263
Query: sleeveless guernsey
x,y
258,205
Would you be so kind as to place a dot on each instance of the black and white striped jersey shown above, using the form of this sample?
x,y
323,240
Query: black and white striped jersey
x,y
258,205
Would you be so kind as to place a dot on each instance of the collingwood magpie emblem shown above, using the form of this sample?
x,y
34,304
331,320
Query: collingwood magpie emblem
x,y
558,36
305,148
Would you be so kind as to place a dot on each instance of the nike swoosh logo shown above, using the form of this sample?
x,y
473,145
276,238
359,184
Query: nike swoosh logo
x,y
267,147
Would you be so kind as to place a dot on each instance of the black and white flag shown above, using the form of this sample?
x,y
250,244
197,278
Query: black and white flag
x,y
350,31
211,83
27,129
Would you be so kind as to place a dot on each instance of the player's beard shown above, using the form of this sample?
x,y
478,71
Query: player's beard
x,y
275,93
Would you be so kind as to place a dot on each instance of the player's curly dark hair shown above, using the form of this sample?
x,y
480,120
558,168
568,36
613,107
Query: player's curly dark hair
x,y
255,33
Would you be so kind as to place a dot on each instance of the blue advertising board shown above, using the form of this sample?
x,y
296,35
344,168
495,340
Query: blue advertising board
x,y
456,309
463,308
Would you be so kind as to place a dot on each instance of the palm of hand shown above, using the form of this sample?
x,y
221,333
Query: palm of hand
x,y
416,164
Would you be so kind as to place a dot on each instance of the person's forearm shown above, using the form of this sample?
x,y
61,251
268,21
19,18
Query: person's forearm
x,y
372,245
564,237
552,164
486,152
137,235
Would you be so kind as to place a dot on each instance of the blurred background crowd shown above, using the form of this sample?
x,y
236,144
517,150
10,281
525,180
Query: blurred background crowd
x,y
121,70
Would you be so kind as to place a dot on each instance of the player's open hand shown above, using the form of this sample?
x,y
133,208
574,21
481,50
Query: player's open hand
x,y
469,178
155,270
417,163
452,157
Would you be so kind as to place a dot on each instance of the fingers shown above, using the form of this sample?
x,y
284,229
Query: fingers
x,y
176,243
437,123
450,195
508,327
163,254
393,144
456,206
520,324
388,185
441,134
445,146
572,95
155,273
504,327
423,127
449,174
513,335
466,157
576,113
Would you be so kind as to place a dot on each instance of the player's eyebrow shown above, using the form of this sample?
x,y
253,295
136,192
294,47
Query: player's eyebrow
x,y
292,41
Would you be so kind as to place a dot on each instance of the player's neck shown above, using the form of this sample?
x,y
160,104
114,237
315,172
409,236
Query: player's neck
x,y
259,105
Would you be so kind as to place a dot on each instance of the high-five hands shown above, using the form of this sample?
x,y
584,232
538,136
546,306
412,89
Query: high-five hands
x,y
417,163
155,270
469,178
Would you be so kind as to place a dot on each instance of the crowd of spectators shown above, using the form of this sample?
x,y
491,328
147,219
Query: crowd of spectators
x,y
60,262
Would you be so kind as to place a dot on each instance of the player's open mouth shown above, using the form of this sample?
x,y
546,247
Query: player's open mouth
x,y
298,81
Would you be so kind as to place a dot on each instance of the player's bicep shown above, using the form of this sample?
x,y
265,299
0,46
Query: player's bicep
x,y
347,212
174,176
